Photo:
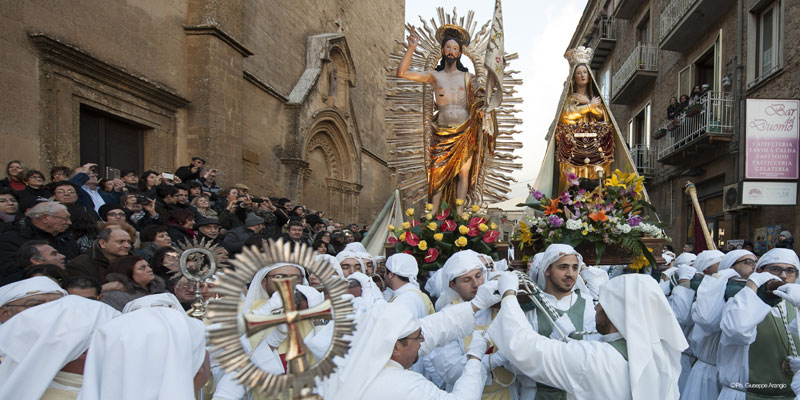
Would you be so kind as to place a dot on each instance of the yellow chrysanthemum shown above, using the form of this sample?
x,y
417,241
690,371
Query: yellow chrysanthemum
x,y
483,227
428,216
390,227
432,226
459,202
475,208
463,230
402,237
492,226
429,207
438,237
461,241
406,225
465,216
410,212
423,245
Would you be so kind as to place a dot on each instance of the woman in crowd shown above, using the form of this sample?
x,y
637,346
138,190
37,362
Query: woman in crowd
x,y
203,206
9,209
181,226
136,277
165,263
148,181
325,237
320,247
13,179
696,94
34,186
672,109
153,237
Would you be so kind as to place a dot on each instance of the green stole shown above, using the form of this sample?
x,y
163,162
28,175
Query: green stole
x,y
766,358
575,314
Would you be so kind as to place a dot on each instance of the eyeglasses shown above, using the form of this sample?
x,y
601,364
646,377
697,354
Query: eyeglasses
x,y
65,192
36,177
747,261
776,270
284,276
419,337
61,217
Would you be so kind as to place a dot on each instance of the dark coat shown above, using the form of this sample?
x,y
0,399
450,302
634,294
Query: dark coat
x,y
92,263
786,243
186,174
235,238
119,298
13,239
180,235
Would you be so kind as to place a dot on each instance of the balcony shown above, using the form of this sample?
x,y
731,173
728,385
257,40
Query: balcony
x,y
605,40
626,9
644,159
699,129
637,73
683,21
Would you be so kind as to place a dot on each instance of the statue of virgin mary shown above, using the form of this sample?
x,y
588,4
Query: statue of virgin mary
x,y
584,138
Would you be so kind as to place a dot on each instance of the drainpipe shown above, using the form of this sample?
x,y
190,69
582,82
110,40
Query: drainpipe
x,y
739,80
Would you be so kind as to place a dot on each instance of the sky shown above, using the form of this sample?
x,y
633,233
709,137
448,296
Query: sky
x,y
540,31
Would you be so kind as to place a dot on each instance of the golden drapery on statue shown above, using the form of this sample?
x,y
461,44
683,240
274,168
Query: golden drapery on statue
x,y
455,145
584,138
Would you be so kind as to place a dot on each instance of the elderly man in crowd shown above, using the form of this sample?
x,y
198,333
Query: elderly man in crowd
x,y
111,243
49,222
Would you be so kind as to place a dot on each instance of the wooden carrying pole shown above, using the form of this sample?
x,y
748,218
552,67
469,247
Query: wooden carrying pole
x,y
692,192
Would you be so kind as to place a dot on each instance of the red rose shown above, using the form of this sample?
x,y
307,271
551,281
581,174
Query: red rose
x,y
475,221
392,240
432,255
443,215
491,236
449,225
412,239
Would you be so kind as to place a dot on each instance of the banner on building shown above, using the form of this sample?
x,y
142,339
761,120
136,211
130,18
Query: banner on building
x,y
772,139
769,193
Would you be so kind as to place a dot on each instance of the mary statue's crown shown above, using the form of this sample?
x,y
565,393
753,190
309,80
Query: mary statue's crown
x,y
579,55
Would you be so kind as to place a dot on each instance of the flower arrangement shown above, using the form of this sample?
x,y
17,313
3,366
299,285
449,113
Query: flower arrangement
x,y
609,216
432,239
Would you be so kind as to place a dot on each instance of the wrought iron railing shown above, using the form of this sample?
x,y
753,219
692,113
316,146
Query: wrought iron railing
x,y
644,57
713,115
672,14
606,29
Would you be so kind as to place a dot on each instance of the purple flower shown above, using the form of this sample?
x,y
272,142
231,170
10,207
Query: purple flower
x,y
565,198
634,220
571,176
555,221
537,194
581,191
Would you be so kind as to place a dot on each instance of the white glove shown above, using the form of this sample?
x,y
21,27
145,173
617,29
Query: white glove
x,y
565,324
727,274
686,272
273,303
791,293
478,345
508,281
794,363
277,336
760,278
487,296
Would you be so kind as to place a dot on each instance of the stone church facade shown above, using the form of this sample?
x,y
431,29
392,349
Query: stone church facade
x,y
286,97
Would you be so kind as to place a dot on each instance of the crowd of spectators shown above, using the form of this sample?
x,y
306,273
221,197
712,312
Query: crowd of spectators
x,y
678,106
117,238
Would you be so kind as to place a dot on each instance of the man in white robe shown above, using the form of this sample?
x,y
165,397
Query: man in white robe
x,y
637,358
460,278
151,353
755,343
22,295
44,348
706,313
349,262
557,274
389,341
680,300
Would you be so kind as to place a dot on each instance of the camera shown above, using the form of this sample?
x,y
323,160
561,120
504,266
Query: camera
x,y
143,200
257,200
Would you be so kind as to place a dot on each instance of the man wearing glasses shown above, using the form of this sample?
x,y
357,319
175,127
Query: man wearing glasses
x,y
756,341
47,221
